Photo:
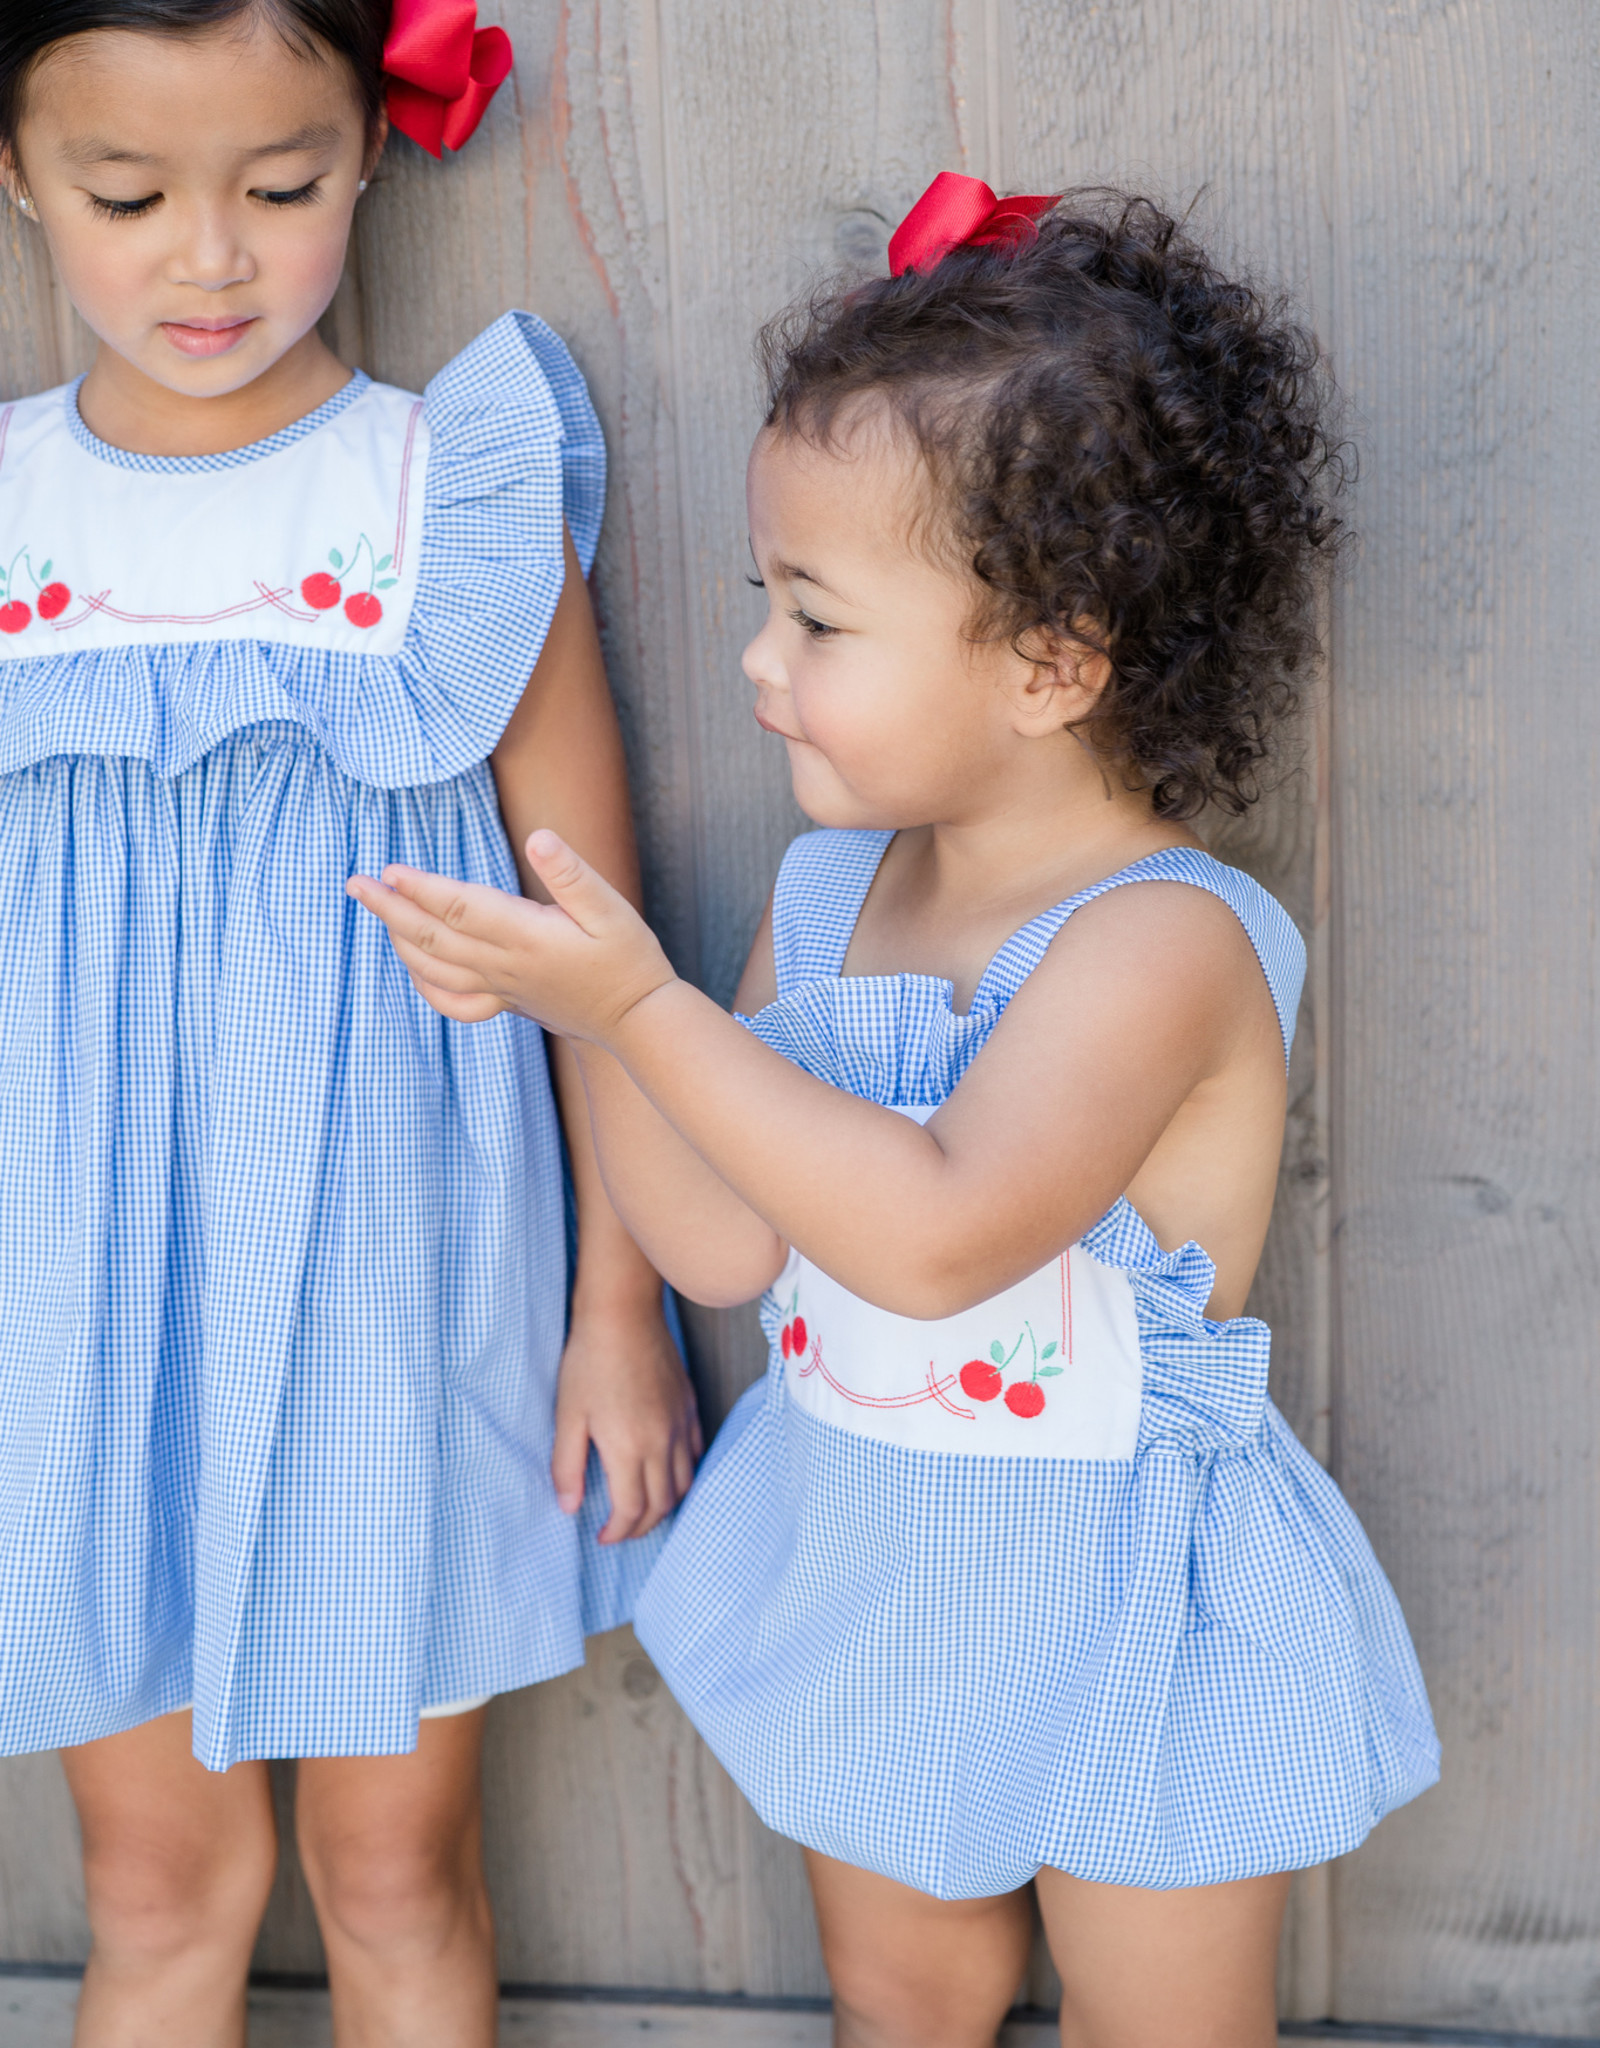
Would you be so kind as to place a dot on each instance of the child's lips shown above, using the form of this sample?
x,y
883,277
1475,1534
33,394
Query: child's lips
x,y
212,337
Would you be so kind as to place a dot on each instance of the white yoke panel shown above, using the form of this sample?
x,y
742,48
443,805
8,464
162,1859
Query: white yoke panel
x,y
312,544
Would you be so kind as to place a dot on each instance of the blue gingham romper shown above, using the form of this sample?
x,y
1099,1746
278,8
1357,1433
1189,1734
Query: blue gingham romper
x,y
1167,1657
282,1252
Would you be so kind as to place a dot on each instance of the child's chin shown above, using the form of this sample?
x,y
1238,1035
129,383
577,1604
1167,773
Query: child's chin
x,y
829,801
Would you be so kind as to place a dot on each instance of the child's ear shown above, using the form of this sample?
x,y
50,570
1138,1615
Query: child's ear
x,y
1068,675
11,183
377,137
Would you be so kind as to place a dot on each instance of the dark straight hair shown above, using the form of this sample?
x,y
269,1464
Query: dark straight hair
x,y
352,30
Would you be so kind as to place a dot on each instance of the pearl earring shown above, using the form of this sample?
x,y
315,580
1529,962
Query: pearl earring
x,y
26,205
362,186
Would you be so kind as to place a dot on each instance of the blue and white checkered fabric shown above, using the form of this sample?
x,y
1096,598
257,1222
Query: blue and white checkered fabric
x,y
282,1253
1177,1669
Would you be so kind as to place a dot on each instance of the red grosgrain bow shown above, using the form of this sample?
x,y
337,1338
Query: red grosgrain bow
x,y
958,212
443,70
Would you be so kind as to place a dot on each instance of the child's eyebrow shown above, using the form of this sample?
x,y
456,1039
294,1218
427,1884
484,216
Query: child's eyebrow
x,y
95,149
793,573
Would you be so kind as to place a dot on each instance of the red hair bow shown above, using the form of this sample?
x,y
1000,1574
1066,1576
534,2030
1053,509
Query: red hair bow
x,y
443,70
958,212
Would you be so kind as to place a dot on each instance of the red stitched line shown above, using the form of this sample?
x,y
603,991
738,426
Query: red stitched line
x,y
931,1392
234,611
1066,1303
275,599
77,618
405,488
937,1387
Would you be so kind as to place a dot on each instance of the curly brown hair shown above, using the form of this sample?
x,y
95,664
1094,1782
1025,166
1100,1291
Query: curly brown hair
x,y
1129,447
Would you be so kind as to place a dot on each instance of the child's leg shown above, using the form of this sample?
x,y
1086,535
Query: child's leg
x,y
393,1853
1180,1969
910,1971
177,1863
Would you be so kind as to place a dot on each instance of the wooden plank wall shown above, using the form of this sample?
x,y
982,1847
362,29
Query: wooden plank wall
x,y
1422,173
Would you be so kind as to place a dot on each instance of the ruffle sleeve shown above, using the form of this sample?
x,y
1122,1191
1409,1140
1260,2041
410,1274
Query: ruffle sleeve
x,y
514,449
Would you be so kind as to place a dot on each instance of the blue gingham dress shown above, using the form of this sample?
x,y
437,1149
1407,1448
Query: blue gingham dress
x,y
282,1252
1176,1665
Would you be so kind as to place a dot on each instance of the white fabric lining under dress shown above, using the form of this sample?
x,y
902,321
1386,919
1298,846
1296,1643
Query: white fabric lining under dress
x,y
1175,1668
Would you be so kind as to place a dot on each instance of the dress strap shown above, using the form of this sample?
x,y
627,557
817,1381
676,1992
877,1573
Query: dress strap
x,y
1270,929
821,887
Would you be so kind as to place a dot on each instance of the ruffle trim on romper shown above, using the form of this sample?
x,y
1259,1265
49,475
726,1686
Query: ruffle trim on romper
x,y
514,438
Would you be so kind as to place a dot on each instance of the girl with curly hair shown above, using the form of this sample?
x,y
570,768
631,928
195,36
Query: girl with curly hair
x,y
1009,1576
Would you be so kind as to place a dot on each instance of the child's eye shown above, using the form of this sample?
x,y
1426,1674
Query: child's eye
x,y
813,628
121,209
302,195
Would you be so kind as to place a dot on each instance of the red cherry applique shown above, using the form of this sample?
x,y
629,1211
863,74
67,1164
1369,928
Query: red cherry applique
x,y
321,591
14,616
786,1341
53,600
363,609
1026,1399
799,1335
980,1381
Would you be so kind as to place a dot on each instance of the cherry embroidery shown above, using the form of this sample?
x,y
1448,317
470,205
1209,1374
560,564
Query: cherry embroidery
x,y
792,1337
980,1381
1025,1398
52,599
362,607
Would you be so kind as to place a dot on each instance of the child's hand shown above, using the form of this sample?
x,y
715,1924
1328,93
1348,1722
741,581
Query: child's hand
x,y
577,965
623,1388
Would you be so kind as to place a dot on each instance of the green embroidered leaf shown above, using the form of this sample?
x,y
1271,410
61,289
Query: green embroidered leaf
x,y
385,563
44,573
336,558
1049,1350
386,582
997,1352
1049,1372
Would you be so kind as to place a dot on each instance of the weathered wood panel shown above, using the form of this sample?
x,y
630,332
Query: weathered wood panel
x,y
1467,736
1423,173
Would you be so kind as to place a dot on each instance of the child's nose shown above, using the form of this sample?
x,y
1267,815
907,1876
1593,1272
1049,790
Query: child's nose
x,y
210,254
760,660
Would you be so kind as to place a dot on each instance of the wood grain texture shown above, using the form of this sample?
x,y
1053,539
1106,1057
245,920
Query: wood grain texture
x,y
1423,175
1467,737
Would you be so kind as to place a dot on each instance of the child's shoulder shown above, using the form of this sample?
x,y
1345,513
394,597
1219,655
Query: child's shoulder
x,y
1274,937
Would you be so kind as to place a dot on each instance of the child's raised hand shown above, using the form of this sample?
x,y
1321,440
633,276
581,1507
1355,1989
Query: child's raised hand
x,y
577,965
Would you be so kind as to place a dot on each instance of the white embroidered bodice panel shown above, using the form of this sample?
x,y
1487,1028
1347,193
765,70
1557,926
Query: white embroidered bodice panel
x,y
310,539
1048,1368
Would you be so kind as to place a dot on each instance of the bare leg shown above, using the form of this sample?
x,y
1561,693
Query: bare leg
x,y
393,1853
177,1861
911,1971
1179,1969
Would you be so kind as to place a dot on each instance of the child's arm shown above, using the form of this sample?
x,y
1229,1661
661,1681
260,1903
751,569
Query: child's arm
x,y
1145,996
622,1385
714,1246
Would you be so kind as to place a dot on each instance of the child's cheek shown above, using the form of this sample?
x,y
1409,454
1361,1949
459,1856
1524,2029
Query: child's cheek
x,y
308,274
